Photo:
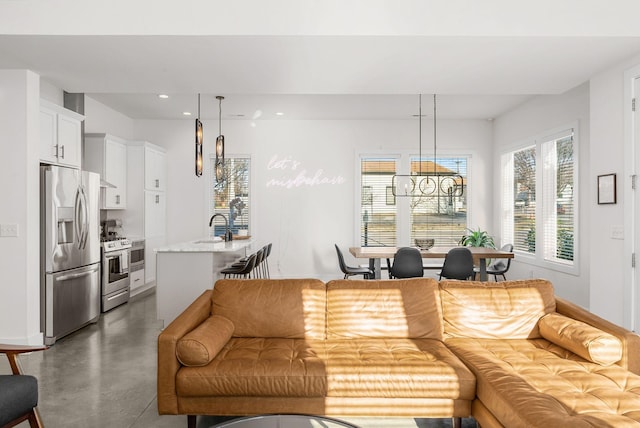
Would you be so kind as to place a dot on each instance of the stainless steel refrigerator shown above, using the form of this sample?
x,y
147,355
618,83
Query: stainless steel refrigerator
x,y
69,250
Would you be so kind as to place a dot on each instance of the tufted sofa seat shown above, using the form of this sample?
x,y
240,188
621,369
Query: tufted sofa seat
x,y
525,380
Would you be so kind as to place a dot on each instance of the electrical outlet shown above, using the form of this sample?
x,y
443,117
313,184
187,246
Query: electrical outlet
x,y
617,232
9,230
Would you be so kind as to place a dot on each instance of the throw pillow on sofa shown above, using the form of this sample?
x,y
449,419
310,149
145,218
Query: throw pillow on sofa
x,y
200,346
584,340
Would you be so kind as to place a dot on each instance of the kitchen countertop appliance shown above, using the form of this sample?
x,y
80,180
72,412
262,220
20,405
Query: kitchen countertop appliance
x,y
69,250
115,288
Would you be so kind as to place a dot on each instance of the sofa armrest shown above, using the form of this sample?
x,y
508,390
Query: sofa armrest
x,y
630,341
168,364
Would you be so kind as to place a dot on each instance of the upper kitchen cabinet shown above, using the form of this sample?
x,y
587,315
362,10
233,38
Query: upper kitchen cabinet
x,y
107,155
60,135
155,167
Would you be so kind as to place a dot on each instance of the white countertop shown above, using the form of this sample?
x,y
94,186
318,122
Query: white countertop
x,y
205,246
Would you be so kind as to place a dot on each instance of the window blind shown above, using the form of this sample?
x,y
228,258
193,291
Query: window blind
x,y
378,204
524,199
231,196
439,206
558,185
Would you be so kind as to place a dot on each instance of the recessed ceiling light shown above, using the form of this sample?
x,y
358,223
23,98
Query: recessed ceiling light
x,y
279,113
186,113
163,96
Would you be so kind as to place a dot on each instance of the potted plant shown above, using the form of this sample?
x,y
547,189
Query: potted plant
x,y
477,238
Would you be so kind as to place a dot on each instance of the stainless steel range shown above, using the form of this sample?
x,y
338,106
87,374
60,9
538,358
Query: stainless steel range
x,y
115,272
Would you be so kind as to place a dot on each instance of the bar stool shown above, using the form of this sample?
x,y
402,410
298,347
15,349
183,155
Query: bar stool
x,y
257,269
242,271
266,260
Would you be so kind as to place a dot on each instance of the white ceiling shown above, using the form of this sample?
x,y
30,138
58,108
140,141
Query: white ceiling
x,y
311,64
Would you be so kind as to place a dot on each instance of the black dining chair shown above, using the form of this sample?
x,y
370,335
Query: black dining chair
x,y
18,392
458,264
407,263
499,266
351,271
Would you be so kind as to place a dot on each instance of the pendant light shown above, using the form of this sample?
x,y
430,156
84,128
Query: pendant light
x,y
199,137
220,144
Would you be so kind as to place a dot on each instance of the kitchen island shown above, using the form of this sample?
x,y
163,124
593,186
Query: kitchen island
x,y
185,270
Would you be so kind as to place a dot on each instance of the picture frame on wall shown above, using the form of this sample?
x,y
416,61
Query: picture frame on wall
x,y
607,189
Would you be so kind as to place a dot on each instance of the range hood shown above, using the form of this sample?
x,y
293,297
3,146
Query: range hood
x,y
106,184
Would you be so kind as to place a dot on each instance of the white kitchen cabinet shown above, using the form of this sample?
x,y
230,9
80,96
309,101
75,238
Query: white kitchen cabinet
x,y
146,213
155,213
155,169
151,244
136,279
60,135
107,155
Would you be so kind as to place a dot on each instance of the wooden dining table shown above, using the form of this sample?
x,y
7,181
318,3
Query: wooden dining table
x,y
376,254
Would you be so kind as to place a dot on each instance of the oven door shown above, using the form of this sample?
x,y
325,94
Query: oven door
x,y
115,274
136,257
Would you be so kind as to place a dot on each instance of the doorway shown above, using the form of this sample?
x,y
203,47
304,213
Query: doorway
x,y
631,199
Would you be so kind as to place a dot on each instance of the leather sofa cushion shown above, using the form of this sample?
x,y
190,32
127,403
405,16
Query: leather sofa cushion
x,y
258,367
285,308
422,368
202,344
495,310
392,368
407,308
535,383
580,338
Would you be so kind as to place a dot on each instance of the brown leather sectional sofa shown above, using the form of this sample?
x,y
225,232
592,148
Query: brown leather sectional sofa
x,y
510,354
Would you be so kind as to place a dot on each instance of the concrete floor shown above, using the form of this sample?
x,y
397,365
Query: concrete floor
x,y
104,375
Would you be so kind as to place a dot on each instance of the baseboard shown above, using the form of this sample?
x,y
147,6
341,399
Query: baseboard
x,y
143,290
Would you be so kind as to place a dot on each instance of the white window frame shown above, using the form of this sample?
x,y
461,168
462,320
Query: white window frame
x,y
545,204
209,175
403,161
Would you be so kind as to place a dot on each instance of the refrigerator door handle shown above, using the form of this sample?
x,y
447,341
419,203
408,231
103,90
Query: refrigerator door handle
x,y
78,221
85,219
77,275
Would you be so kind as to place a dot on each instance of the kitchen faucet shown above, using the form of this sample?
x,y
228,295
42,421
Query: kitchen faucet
x,y
228,236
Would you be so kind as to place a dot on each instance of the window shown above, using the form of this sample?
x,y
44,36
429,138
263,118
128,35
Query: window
x,y
378,205
524,200
230,197
439,207
539,198
436,206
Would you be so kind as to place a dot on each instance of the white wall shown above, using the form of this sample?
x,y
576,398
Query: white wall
x,y
51,93
103,119
608,259
19,193
304,222
538,115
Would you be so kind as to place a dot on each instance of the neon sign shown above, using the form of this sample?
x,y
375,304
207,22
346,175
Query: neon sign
x,y
295,175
